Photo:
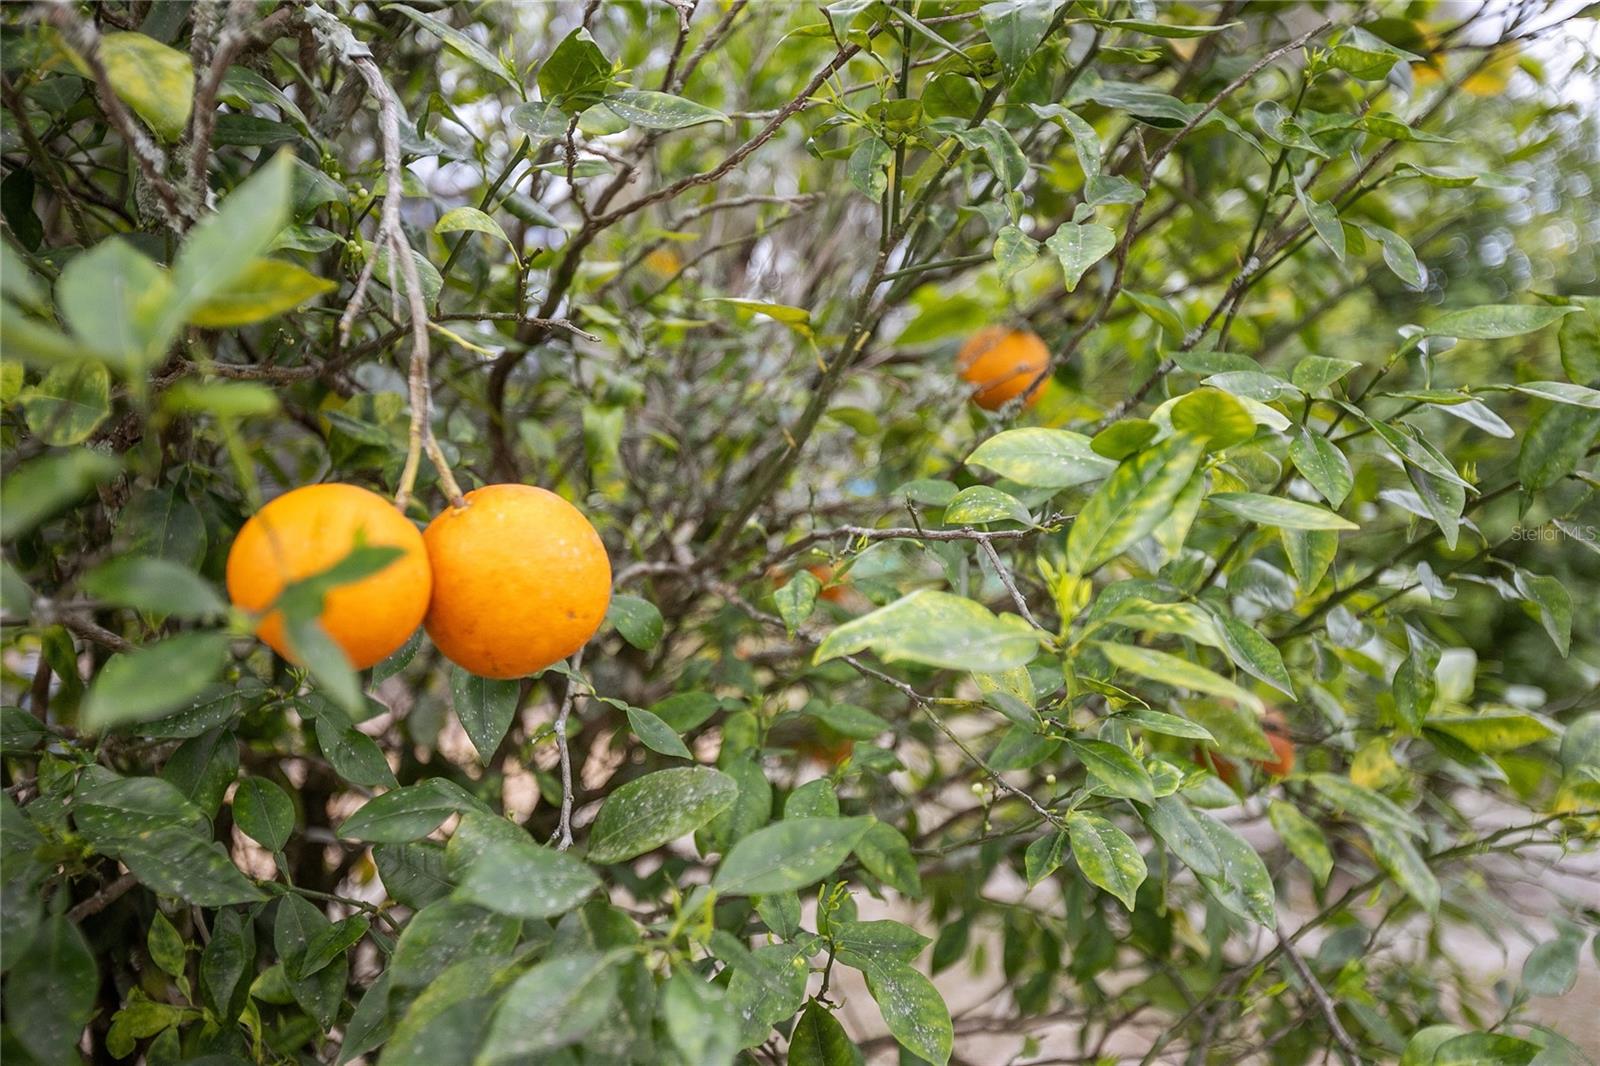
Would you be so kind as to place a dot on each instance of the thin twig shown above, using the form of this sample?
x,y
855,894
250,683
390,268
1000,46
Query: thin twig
x,y
84,39
1330,1012
103,898
391,237
562,838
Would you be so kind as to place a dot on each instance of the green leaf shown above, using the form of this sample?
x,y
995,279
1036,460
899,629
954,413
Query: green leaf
x,y
797,598
557,1003
1279,512
1310,553
1493,321
264,812
1179,827
1107,856
1303,838
1551,968
268,287
1254,653
1005,158
938,629
1279,124
1369,807
787,855
913,1010
166,947
656,734
1124,437
868,167
471,220
221,249
1041,458
1324,219
1485,1049
68,404
224,399
1552,603
1493,732
458,42
156,81
1215,417
321,993
575,74
702,1023
1131,502
865,944
819,1040
660,111
1079,246
1014,250
156,586
1322,464
1579,340
445,932
1166,724
1015,28
1398,254
50,991
40,488
485,708
353,755
114,300
147,682
979,505
1401,860
1179,673
1243,886
174,862
657,808
1555,443
1043,857
538,118
637,620
1119,772
523,879
408,813
1317,372
1561,392
886,854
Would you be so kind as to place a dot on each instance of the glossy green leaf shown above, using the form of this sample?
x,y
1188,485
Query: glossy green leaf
x,y
1131,502
787,855
265,812
939,629
1107,856
1041,458
646,813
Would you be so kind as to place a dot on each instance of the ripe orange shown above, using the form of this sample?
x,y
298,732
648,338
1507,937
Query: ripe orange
x,y
521,580
1000,363
307,530
833,593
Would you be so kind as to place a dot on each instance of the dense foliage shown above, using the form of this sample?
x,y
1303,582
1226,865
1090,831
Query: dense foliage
x,y
1197,712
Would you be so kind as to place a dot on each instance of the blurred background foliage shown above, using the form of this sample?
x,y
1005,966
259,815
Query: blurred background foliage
x,y
704,269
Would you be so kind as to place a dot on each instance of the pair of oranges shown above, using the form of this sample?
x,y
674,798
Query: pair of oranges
x,y
515,580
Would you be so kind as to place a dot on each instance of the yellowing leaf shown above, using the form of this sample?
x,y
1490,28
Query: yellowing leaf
x,y
268,287
157,82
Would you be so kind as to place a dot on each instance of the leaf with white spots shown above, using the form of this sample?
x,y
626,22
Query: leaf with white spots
x,y
788,855
648,812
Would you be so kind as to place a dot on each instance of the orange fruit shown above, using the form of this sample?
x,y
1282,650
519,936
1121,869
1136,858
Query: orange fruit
x,y
1283,762
307,530
1000,363
833,593
520,581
